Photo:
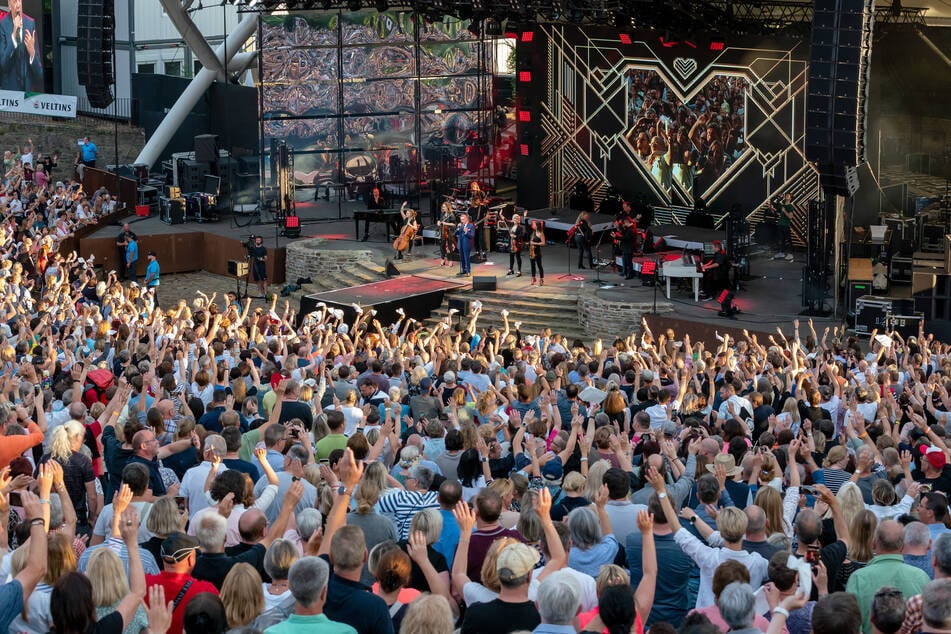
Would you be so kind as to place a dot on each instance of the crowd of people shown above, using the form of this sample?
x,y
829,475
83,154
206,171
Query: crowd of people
x,y
689,144
223,467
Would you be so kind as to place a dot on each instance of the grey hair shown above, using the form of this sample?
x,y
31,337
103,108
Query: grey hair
x,y
56,511
737,605
299,452
558,598
217,444
280,556
25,388
307,579
308,520
212,532
941,552
917,534
936,604
584,528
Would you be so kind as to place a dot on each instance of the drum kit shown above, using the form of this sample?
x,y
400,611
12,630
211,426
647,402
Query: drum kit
x,y
496,220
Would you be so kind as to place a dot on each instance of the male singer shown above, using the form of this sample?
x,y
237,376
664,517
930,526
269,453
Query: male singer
x,y
465,233
21,63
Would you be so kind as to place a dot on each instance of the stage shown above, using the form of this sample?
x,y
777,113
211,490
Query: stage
x,y
563,219
418,295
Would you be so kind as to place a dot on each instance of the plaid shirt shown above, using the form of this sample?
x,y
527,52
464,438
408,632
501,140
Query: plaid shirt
x,y
913,619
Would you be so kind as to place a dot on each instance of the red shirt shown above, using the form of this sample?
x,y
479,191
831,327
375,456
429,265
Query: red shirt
x,y
173,584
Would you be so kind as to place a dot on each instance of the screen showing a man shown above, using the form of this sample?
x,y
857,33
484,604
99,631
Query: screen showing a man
x,y
21,59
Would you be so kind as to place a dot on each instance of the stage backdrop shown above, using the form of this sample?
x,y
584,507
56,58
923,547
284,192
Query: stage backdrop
x,y
675,122
371,96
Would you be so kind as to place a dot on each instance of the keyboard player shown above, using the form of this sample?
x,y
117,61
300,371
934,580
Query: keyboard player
x,y
376,202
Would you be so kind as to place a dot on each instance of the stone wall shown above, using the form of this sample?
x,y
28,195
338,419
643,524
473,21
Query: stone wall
x,y
310,258
606,313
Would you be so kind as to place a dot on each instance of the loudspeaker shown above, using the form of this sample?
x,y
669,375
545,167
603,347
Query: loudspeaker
x,y
95,41
483,283
460,305
206,148
839,63
172,210
391,270
237,268
191,175
842,180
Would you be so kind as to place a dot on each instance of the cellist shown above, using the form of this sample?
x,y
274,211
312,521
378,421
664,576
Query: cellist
x,y
404,242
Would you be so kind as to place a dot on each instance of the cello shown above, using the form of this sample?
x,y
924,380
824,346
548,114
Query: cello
x,y
408,232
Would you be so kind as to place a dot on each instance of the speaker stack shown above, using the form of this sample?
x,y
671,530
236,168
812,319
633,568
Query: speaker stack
x,y
191,175
95,41
837,96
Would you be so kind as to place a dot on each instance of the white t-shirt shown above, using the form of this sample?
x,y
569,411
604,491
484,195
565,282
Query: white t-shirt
x,y
104,521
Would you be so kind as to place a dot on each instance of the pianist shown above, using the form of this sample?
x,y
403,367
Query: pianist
x,y
716,271
376,202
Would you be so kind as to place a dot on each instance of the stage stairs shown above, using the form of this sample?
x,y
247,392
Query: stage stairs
x,y
536,308
364,272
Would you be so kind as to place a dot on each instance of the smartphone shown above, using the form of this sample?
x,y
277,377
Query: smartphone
x,y
15,499
182,503
325,461
807,489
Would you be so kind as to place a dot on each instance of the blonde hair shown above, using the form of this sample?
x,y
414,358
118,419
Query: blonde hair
x,y
107,576
61,440
242,595
429,614
574,482
429,522
370,488
861,534
164,517
769,499
851,500
612,575
595,478
489,574
504,487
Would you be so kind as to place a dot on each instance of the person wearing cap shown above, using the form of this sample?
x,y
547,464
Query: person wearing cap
x,y
934,468
424,404
152,273
179,554
512,611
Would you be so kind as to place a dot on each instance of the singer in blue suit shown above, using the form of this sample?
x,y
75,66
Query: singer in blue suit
x,y
21,59
465,233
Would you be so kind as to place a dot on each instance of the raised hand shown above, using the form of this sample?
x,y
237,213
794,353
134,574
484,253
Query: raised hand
x,y
543,502
159,611
465,517
350,470
416,547
645,521
655,479
129,525
122,499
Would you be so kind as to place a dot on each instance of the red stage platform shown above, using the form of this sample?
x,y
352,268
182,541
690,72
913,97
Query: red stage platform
x,y
417,295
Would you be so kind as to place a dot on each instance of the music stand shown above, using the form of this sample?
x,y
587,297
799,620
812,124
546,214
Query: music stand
x,y
569,275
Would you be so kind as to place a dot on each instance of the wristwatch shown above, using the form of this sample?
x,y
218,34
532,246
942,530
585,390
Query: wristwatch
x,y
295,479
693,519
662,495
342,490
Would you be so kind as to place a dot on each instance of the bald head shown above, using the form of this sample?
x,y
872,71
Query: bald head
x,y
709,447
756,522
251,526
889,538
167,407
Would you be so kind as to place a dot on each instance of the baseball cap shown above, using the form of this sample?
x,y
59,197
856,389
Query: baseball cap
x,y
515,561
552,471
935,456
177,546
425,383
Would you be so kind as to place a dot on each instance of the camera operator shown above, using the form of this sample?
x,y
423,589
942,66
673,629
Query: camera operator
x,y
257,254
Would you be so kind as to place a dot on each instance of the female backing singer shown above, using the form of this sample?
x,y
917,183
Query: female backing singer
x,y
404,242
516,242
536,244
582,239
447,224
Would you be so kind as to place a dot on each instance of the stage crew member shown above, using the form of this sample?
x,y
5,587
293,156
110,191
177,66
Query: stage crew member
x,y
465,233
516,242
536,244
447,224
716,271
257,252
582,237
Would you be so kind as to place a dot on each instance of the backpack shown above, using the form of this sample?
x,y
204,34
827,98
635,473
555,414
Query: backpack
x,y
98,381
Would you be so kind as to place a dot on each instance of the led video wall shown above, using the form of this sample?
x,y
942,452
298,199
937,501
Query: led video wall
x,y
371,96
677,122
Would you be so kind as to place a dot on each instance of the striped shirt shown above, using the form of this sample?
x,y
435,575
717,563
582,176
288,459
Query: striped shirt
x,y
402,505
118,546
832,478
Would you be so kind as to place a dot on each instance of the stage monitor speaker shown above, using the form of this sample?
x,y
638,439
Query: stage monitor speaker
x,y
391,270
460,305
206,148
483,283
237,268
95,35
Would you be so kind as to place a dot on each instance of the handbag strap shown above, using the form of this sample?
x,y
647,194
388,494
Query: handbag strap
x,y
181,594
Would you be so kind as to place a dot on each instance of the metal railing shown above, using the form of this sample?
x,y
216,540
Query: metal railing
x,y
122,108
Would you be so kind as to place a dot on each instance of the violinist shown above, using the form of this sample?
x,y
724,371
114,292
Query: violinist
x,y
516,242
477,211
627,240
404,242
447,224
